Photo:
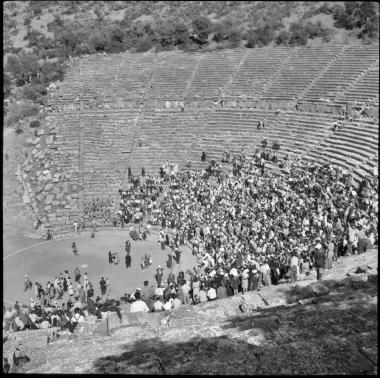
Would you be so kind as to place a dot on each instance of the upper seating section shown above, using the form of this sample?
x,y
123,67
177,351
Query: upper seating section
x,y
257,71
299,72
334,73
344,70
367,87
173,72
214,71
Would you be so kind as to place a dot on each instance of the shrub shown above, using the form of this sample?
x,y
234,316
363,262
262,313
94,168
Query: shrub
x,y
260,36
324,8
35,123
99,41
144,44
202,27
27,21
30,93
282,38
19,110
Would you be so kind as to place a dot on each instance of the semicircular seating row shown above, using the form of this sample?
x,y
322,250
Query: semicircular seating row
x,y
334,73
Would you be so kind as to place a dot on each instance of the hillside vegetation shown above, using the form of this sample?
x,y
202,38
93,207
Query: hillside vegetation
x,y
40,36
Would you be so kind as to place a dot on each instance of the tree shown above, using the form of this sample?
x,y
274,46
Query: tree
x,y
22,67
283,38
99,41
116,33
35,123
202,27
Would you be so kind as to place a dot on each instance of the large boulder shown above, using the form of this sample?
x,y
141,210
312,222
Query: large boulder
x,y
358,281
319,289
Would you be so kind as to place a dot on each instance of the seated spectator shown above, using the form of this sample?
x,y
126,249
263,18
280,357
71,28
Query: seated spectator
x,y
158,304
176,302
139,305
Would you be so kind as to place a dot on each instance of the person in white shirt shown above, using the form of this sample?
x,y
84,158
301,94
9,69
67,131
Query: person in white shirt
x,y
139,305
168,305
265,271
159,291
293,268
176,302
211,294
158,305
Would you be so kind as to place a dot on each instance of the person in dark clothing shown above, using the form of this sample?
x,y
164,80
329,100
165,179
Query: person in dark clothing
x,y
128,246
158,276
103,287
204,156
128,261
110,260
75,249
319,260
170,261
177,255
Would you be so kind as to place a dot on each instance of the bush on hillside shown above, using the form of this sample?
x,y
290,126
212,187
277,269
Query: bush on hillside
x,y
357,15
99,41
259,37
22,67
34,92
202,27
282,38
35,123
144,44
324,9
19,110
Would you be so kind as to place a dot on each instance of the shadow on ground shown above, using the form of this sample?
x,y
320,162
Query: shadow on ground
x,y
332,334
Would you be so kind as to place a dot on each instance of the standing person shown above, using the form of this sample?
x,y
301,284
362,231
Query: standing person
x,y
49,235
103,286
27,283
265,271
244,280
110,259
128,246
177,255
203,156
76,226
330,253
108,286
320,260
75,249
85,281
128,261
93,227
77,274
169,263
293,268
159,275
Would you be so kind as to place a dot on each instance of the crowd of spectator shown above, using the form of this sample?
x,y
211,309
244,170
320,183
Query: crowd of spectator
x,y
247,227
97,209
139,200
